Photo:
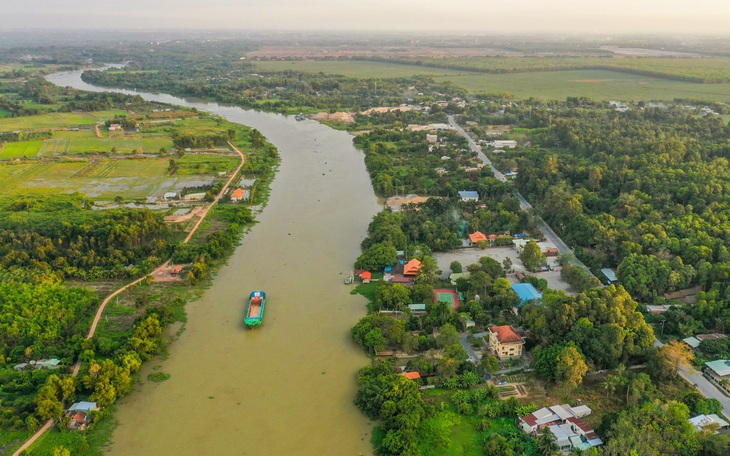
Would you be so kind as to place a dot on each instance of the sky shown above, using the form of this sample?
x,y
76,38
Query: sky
x,y
468,16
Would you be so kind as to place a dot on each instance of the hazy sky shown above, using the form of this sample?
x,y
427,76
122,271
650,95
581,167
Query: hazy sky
x,y
474,16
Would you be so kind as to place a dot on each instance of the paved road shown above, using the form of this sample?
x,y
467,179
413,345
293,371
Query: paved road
x,y
470,351
550,235
704,386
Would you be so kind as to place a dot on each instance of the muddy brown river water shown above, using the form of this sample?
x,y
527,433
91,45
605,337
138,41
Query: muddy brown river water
x,y
286,388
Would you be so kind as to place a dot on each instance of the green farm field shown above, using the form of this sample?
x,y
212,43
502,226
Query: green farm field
x,y
103,179
547,85
56,120
356,68
20,149
206,164
595,84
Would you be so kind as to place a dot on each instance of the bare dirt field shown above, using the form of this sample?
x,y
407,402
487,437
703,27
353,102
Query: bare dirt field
x,y
471,256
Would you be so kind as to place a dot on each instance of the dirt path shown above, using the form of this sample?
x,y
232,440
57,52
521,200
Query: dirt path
x,y
102,306
220,195
96,129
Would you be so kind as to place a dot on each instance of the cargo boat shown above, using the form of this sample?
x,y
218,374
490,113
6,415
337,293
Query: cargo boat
x,y
255,309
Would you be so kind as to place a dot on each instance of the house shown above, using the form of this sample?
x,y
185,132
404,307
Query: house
x,y
505,342
170,195
467,195
80,414
237,195
432,138
503,143
177,269
718,370
536,421
46,363
411,375
115,127
20,367
411,268
366,276
417,309
694,342
610,276
527,292
702,421
459,275
476,237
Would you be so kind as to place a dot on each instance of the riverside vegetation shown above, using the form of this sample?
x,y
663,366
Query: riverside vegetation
x,y
59,257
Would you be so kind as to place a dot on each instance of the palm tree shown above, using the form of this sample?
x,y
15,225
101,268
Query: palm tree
x,y
546,444
610,383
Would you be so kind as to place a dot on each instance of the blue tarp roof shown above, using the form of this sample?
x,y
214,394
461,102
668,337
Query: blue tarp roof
x,y
526,292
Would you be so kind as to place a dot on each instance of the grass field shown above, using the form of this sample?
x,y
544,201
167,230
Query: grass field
x,y
356,68
21,149
548,85
101,179
207,164
56,120
83,142
4,113
595,84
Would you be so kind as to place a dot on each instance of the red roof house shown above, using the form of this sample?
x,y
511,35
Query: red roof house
x,y
411,375
366,276
237,195
412,267
476,237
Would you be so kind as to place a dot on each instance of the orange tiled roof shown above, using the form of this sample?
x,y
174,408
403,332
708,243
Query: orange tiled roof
x,y
411,375
412,267
237,193
477,236
366,275
505,334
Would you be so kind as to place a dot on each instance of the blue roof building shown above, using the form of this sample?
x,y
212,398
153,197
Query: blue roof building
x,y
527,292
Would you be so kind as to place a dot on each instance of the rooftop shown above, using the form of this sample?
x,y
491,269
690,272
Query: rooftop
x,y
477,236
721,366
526,292
506,334
411,375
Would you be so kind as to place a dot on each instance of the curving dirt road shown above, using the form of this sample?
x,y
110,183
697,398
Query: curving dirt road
x,y
102,306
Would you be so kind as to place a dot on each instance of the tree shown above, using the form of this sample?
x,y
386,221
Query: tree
x,y
496,444
448,335
610,383
455,267
392,296
571,367
546,444
490,363
670,357
532,257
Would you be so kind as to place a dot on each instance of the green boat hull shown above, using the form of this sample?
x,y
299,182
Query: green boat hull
x,y
255,309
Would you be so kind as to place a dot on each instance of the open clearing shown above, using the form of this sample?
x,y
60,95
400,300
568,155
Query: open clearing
x,y
547,85
83,142
103,179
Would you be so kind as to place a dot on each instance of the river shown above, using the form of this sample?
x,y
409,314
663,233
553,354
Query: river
x,y
288,386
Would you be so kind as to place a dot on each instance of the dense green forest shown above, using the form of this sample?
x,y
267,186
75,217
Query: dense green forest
x,y
58,235
645,191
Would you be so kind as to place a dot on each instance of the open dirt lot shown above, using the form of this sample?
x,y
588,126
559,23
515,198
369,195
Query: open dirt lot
x,y
471,256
